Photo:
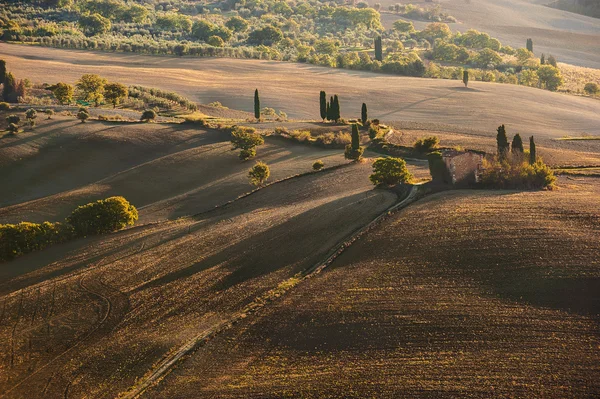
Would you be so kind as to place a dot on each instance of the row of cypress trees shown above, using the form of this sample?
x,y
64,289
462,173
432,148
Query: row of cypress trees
x,y
330,110
516,147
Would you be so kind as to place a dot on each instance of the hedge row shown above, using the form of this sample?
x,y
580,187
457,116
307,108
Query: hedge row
x,y
98,217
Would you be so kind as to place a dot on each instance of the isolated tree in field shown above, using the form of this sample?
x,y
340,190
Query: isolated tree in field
x,y
532,153
259,173
91,88
63,92
517,145
256,105
9,88
466,78
529,45
246,139
502,142
31,115
323,105
83,115
115,93
378,49
550,77
389,172
94,24
542,59
592,89
148,115
363,114
354,151
13,123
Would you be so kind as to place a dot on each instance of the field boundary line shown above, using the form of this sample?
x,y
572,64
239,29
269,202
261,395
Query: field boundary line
x,y
168,362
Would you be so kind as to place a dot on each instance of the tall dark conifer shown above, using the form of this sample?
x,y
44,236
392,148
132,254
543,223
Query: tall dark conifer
x,y
502,141
256,105
378,49
532,154
2,71
363,114
355,137
323,105
336,108
517,145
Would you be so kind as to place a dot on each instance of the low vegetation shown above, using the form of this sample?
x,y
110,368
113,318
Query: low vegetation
x,y
103,216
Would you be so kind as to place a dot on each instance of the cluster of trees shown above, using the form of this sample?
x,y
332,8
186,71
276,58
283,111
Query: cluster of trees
x,y
99,217
329,110
514,167
412,11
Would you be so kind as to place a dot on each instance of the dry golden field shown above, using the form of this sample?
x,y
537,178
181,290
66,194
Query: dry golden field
x,y
465,294
294,88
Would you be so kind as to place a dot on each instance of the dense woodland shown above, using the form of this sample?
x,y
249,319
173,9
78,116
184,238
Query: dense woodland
x,y
341,35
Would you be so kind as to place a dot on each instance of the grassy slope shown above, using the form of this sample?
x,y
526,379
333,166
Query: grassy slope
x,y
294,89
447,299
124,300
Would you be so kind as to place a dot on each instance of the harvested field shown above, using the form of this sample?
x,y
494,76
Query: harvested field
x,y
91,316
446,299
291,87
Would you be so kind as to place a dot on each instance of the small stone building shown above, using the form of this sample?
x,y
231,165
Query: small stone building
x,y
459,168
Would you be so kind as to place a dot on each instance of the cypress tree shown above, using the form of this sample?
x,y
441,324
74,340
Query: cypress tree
x,y
328,111
543,59
331,113
363,114
502,141
323,105
378,49
517,145
466,77
530,45
336,108
355,137
2,71
532,155
9,89
256,105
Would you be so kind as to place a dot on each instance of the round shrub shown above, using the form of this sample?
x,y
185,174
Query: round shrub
x,y
353,154
148,115
592,89
103,216
83,116
390,171
49,113
215,41
4,107
13,119
318,165
259,173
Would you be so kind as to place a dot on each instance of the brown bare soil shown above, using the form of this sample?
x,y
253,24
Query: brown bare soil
x,y
291,87
466,294
91,316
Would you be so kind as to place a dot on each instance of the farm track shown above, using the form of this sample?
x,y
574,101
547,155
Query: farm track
x,y
166,364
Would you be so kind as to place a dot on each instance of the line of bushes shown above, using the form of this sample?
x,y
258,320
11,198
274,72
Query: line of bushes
x,y
99,217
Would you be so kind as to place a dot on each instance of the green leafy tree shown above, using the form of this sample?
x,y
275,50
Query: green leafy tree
x,y
256,105
517,145
378,49
91,88
115,93
148,115
427,144
404,26
103,216
246,139
259,173
237,24
49,113
13,119
550,77
389,172
94,24
532,153
323,105
268,36
363,114
502,142
215,41
466,77
63,92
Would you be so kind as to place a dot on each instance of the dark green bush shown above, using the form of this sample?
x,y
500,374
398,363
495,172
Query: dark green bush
x,y
148,115
103,216
437,167
390,171
318,165
427,144
4,107
515,172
